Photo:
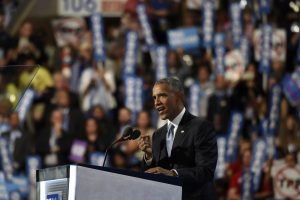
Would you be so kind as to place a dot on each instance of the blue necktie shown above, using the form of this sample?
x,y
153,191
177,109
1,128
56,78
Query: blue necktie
x,y
170,138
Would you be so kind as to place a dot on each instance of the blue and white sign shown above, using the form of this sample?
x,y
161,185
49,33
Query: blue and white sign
x,y
134,93
131,51
143,18
161,62
266,49
298,51
236,23
247,185
23,185
98,41
259,152
208,23
264,6
268,138
220,169
194,99
278,44
185,38
6,160
235,127
78,7
25,104
291,87
274,109
245,49
220,53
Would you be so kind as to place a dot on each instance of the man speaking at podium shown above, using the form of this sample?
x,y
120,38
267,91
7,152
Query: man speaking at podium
x,y
185,146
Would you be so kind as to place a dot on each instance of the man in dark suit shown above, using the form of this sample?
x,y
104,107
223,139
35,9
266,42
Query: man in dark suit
x,y
185,147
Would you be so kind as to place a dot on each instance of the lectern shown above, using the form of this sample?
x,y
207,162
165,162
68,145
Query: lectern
x,y
83,182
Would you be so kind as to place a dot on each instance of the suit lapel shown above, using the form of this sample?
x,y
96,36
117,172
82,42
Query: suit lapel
x,y
162,145
180,132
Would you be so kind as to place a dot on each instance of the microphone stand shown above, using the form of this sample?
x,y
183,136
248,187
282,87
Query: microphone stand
x,y
129,135
112,144
106,151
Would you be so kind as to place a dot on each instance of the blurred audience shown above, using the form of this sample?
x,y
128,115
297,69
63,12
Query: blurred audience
x,y
79,104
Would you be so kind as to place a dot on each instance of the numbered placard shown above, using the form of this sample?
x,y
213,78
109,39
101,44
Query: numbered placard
x,y
78,7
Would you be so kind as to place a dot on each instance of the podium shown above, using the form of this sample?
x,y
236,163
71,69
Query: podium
x,y
83,182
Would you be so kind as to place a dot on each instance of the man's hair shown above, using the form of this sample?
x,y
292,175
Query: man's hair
x,y
173,82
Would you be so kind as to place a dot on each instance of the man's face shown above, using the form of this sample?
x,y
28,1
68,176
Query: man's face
x,y
167,102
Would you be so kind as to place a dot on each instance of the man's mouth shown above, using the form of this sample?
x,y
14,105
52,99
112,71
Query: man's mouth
x,y
160,109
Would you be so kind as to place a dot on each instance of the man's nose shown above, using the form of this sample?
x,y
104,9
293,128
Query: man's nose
x,y
157,101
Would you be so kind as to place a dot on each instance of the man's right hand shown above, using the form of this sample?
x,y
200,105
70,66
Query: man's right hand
x,y
145,146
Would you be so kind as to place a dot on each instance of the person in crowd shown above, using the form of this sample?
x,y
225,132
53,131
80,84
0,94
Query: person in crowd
x,y
59,83
28,43
9,10
285,175
95,88
143,124
236,181
45,102
234,192
219,106
5,45
80,63
105,122
19,142
289,135
40,75
124,120
97,140
118,159
206,88
73,120
246,98
176,65
236,166
53,144
185,147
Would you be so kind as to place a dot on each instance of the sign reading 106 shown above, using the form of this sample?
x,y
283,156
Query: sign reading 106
x,y
78,7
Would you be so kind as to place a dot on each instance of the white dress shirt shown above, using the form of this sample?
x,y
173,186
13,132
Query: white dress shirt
x,y
175,122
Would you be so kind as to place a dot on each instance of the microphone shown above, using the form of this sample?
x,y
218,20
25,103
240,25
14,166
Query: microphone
x,y
128,134
135,134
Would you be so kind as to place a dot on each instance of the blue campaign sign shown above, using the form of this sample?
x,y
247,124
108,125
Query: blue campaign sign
x,y
265,61
291,87
208,14
264,6
298,51
186,38
233,135
98,40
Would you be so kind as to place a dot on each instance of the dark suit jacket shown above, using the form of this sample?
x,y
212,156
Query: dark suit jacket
x,y
219,107
21,149
194,156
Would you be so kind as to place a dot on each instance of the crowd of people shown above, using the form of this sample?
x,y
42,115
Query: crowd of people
x,y
79,105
